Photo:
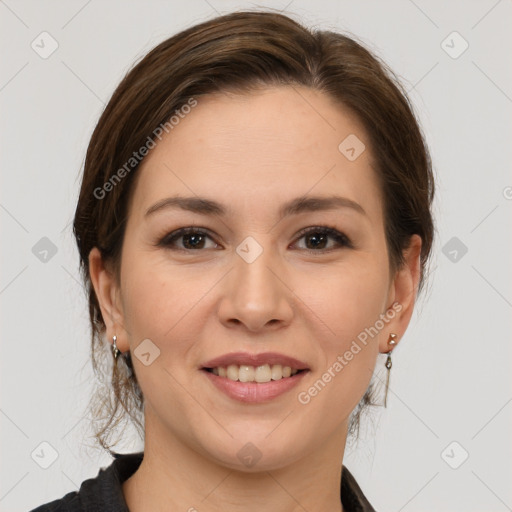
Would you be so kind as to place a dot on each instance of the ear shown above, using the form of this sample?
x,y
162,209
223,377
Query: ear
x,y
402,293
108,293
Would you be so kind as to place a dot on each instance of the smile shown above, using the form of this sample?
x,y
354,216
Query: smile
x,y
254,378
248,373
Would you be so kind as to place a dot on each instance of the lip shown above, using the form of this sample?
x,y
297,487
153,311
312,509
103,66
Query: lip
x,y
254,392
244,358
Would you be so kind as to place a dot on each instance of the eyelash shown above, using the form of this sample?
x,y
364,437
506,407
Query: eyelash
x,y
341,239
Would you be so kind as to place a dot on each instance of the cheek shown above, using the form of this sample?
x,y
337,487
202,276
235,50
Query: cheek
x,y
164,303
144,311
338,385
347,308
142,287
346,299
337,301
158,305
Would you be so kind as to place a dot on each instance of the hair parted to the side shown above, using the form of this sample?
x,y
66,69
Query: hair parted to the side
x,y
240,52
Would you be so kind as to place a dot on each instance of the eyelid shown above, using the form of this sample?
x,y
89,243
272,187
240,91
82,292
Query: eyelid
x,y
341,238
178,233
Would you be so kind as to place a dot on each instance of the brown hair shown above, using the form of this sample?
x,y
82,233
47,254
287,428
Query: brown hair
x,y
239,52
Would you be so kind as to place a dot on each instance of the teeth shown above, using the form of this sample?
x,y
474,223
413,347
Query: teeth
x,y
247,373
263,373
277,372
232,372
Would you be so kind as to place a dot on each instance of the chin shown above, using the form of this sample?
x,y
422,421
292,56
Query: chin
x,y
254,451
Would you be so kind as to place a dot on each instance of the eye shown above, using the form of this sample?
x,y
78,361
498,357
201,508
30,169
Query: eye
x,y
317,239
191,239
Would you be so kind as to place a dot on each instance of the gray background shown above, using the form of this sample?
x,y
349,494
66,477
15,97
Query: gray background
x,y
451,375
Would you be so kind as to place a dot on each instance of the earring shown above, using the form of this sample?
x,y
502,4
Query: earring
x,y
115,350
391,342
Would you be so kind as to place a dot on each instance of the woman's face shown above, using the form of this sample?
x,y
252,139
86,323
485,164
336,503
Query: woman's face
x,y
246,280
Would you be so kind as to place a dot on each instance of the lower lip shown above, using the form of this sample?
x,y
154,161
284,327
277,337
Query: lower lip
x,y
254,392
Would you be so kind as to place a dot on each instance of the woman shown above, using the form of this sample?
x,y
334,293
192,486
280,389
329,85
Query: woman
x,y
254,225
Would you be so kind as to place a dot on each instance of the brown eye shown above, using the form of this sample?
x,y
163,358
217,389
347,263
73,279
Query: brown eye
x,y
188,239
318,239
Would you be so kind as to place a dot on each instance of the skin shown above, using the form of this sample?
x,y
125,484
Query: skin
x,y
252,153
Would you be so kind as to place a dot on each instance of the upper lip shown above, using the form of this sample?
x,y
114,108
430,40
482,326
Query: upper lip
x,y
244,358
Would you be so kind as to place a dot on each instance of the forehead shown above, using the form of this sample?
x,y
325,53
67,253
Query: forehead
x,y
273,143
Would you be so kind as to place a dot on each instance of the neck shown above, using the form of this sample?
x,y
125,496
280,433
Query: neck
x,y
172,476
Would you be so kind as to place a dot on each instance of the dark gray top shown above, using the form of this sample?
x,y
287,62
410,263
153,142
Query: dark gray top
x,y
104,492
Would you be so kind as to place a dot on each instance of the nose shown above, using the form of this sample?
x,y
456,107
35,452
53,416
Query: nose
x,y
255,295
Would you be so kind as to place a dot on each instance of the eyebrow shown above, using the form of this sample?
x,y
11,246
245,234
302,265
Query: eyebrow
x,y
302,204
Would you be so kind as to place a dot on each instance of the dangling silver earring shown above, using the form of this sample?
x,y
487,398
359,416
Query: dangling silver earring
x,y
391,342
115,350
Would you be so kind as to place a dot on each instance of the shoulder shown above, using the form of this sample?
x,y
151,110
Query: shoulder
x,y
68,503
352,497
103,492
